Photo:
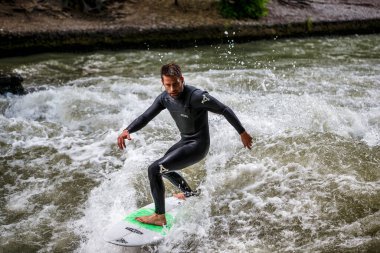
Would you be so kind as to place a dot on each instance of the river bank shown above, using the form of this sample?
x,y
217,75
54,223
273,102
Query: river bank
x,y
34,28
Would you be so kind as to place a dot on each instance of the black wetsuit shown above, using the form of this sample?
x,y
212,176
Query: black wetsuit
x,y
189,111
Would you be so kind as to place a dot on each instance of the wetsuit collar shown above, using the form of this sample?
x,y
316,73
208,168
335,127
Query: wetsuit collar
x,y
181,95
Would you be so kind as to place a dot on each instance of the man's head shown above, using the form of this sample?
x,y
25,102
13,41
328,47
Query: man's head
x,y
172,79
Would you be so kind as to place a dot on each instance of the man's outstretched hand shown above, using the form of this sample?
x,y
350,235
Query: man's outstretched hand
x,y
246,139
120,140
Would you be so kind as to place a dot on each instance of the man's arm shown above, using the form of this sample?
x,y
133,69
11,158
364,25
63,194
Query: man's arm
x,y
140,122
201,99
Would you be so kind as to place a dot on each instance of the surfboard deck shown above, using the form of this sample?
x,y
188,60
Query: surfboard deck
x,y
131,233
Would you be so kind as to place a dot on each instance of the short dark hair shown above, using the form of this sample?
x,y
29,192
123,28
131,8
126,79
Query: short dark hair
x,y
171,69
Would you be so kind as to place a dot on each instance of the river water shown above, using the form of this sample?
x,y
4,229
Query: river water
x,y
310,183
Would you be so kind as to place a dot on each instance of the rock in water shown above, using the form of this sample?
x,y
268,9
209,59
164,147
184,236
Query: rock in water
x,y
11,83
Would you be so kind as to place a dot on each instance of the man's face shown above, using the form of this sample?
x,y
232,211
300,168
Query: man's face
x,y
173,85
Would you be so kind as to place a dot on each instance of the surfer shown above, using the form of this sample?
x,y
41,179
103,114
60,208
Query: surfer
x,y
189,108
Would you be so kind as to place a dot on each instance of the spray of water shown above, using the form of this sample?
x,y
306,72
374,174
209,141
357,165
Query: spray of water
x,y
311,182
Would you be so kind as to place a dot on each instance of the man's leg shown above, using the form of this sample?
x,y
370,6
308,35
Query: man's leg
x,y
181,155
157,188
177,180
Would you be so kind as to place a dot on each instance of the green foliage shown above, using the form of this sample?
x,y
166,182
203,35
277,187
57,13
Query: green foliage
x,y
243,8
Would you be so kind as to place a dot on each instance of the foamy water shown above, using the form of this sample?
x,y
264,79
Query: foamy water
x,y
310,183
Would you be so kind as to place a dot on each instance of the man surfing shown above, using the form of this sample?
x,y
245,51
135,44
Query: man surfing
x,y
189,108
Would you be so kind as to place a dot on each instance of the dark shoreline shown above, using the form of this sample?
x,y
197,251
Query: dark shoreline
x,y
26,43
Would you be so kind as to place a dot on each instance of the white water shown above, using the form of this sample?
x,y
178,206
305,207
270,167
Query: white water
x,y
311,182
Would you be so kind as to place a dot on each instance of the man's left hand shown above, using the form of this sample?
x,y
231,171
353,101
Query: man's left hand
x,y
246,139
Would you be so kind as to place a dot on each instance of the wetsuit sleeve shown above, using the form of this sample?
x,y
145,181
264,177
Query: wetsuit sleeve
x,y
203,100
147,116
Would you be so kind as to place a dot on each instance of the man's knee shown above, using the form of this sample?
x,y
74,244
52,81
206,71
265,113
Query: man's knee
x,y
156,170
153,170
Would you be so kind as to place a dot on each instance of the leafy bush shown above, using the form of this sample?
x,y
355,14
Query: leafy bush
x,y
243,8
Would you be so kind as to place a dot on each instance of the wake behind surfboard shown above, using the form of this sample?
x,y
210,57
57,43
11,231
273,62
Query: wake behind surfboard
x,y
131,233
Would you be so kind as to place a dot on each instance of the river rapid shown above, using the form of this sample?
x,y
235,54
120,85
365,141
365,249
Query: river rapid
x,y
309,184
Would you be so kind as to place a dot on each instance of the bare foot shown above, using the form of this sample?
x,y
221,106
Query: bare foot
x,y
154,219
180,195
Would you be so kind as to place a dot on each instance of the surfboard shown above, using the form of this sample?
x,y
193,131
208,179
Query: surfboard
x,y
129,232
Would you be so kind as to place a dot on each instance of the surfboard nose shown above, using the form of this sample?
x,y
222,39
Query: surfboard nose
x,y
115,232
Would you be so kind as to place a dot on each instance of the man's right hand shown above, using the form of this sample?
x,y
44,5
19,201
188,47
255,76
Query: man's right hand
x,y
120,140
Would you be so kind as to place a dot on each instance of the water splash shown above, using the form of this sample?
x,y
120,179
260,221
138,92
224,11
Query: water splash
x,y
309,184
